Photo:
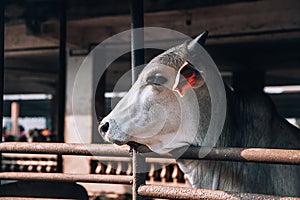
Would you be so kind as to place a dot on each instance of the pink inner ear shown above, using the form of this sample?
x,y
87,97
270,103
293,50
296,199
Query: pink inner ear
x,y
183,85
185,79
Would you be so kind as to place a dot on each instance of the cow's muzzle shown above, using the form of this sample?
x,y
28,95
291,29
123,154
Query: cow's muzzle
x,y
111,132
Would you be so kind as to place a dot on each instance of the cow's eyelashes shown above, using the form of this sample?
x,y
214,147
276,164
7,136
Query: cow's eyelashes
x,y
156,80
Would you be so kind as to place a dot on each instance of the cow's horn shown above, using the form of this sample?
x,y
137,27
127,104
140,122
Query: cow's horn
x,y
200,39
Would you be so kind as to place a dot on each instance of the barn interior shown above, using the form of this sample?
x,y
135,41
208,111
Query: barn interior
x,y
254,43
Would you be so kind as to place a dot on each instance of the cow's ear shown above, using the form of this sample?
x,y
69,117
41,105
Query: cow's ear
x,y
187,77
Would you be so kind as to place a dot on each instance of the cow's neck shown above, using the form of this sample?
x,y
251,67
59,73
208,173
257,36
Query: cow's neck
x,y
212,174
208,174
205,117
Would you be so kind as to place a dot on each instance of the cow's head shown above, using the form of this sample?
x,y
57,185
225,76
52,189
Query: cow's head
x,y
163,107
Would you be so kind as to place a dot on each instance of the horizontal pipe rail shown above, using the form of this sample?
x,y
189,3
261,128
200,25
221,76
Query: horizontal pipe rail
x,y
89,178
65,149
275,156
282,156
129,159
27,198
169,192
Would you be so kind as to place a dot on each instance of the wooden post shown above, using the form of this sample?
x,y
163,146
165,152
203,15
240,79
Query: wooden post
x,y
15,111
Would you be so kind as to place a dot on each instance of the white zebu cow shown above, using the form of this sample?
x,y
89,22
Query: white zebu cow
x,y
251,121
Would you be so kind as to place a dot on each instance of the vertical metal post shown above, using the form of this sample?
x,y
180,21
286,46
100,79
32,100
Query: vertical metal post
x,y
61,84
2,32
139,169
137,37
137,59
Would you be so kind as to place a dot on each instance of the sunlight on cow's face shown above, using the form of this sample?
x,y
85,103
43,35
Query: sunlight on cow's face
x,y
158,111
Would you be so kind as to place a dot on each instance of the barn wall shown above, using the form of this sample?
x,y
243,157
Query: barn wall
x,y
78,120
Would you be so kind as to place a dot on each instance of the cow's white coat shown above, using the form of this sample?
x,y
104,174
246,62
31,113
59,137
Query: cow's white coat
x,y
158,117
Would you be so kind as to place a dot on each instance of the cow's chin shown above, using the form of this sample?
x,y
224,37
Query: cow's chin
x,y
117,142
139,147
144,148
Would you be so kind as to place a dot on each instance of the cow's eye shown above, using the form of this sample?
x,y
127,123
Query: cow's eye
x,y
156,80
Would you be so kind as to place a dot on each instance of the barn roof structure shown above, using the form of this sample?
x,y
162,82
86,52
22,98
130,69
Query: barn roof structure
x,y
244,35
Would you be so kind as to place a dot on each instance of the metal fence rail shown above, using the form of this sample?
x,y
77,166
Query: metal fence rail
x,y
279,156
89,178
65,149
159,191
275,156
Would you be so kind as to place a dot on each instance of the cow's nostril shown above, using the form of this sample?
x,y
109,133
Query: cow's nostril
x,y
104,127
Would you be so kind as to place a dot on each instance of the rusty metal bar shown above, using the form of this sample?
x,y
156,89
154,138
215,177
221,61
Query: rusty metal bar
x,y
138,172
276,156
90,178
263,155
129,159
27,198
169,192
65,149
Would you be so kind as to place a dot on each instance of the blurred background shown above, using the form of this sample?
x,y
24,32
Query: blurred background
x,y
255,44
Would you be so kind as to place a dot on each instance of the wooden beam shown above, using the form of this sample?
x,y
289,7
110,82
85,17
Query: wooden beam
x,y
235,22
228,23
47,64
51,30
25,87
34,75
240,22
16,37
82,32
